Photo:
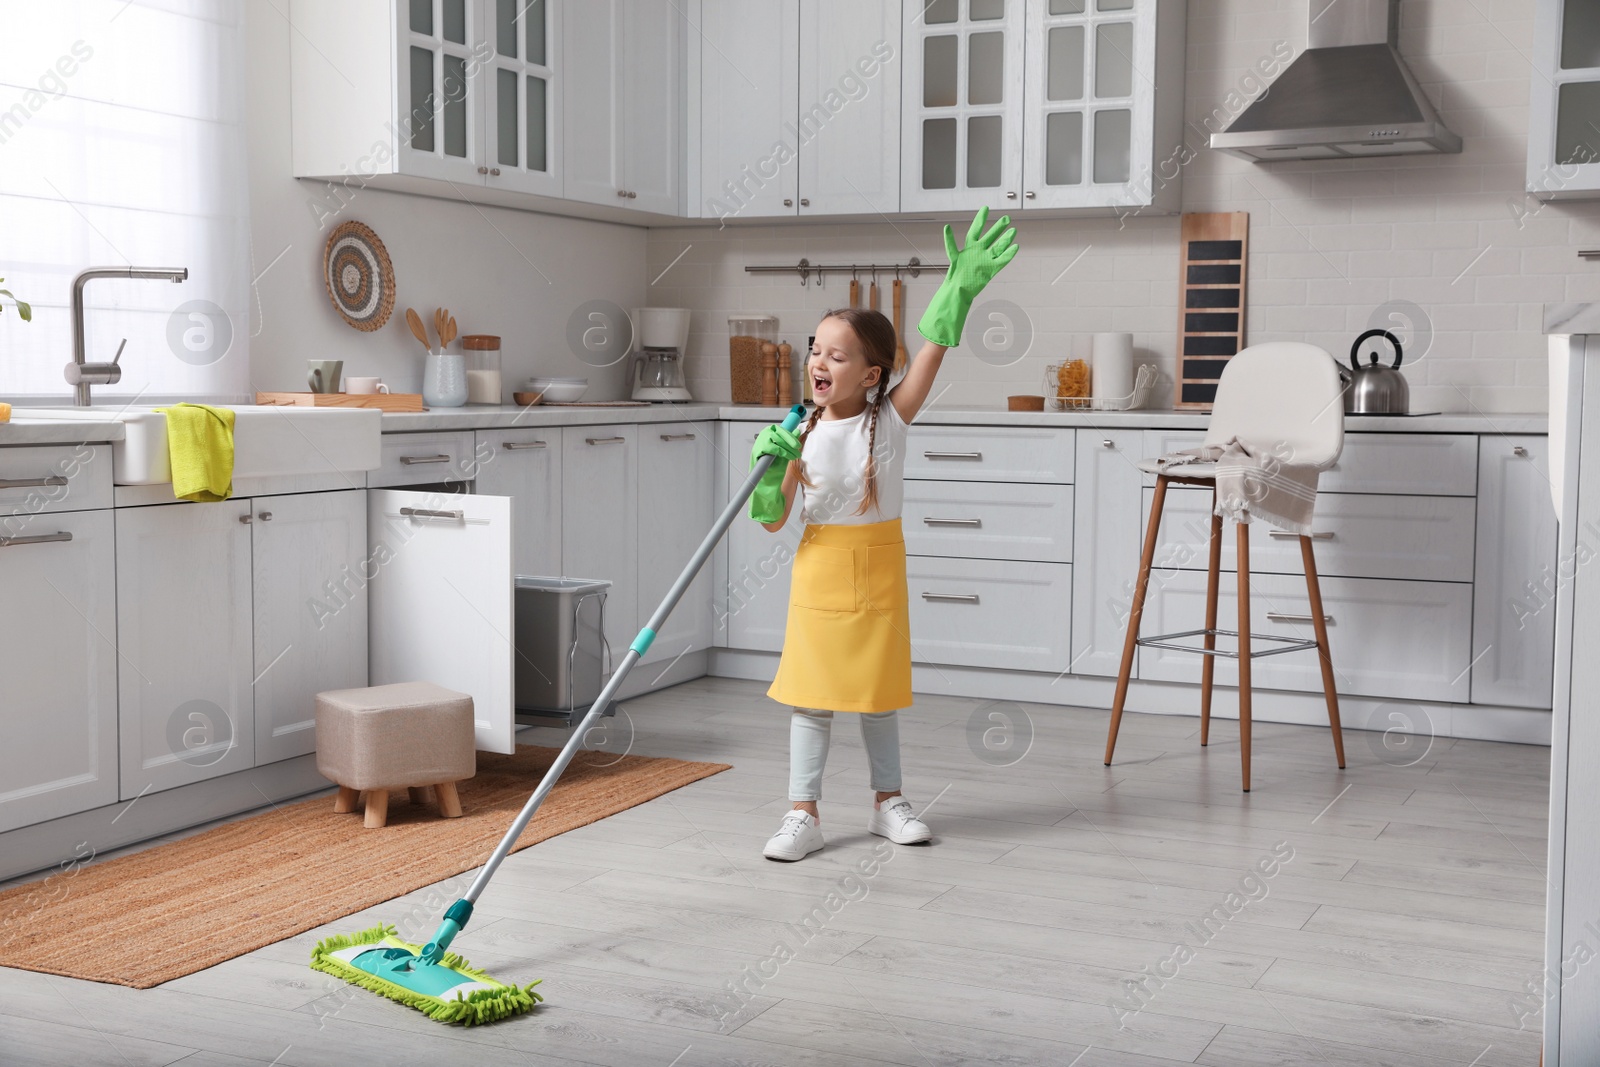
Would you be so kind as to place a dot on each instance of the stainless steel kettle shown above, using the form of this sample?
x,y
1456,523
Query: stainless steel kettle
x,y
1372,388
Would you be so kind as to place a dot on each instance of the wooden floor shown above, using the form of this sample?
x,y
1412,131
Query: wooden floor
x,y
1403,931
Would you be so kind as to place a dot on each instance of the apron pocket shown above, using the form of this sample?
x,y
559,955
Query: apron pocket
x,y
824,578
886,577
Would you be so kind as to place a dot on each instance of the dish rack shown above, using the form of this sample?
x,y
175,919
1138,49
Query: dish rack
x,y
1143,382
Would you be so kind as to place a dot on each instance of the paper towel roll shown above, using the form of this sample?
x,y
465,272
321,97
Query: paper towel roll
x,y
1111,368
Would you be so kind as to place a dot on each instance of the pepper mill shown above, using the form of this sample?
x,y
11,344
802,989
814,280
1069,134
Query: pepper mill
x,y
769,374
785,375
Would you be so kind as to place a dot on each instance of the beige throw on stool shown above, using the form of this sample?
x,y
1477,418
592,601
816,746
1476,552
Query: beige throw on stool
x,y
1253,481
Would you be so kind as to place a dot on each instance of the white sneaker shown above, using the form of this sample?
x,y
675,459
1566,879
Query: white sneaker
x,y
798,837
895,819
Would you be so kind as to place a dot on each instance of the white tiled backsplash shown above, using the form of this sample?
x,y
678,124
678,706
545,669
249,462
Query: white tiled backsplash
x,y
1334,245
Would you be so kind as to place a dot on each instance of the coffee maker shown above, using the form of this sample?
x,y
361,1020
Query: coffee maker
x,y
662,334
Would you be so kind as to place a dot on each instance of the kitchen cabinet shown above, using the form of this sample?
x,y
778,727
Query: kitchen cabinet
x,y
462,92
675,505
756,611
1513,610
849,108
1107,534
184,619
440,601
997,614
623,72
58,666
1043,104
1564,104
749,99
525,465
599,520
309,570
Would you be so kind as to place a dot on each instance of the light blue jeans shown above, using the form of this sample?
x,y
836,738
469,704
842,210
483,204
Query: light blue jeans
x,y
808,750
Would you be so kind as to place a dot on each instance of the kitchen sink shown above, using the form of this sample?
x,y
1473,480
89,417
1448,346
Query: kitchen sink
x,y
267,440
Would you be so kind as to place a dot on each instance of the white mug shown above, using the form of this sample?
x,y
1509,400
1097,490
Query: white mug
x,y
365,385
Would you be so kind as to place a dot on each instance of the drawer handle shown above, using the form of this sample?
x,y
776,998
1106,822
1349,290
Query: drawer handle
x,y
512,446
606,440
410,460
1518,450
35,539
32,483
1107,443
962,598
264,516
1290,535
429,513
953,455
1278,616
677,437
953,522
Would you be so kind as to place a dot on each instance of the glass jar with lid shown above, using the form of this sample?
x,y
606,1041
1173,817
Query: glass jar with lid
x,y
746,335
483,367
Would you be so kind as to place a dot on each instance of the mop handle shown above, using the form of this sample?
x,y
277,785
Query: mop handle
x,y
458,913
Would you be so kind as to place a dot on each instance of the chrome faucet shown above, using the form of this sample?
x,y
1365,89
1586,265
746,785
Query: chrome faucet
x,y
81,374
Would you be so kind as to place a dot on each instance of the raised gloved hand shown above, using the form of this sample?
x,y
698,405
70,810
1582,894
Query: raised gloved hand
x,y
970,270
766,503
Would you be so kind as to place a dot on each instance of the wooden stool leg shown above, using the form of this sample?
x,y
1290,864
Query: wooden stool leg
x,y
345,802
418,794
1208,668
449,800
1244,652
1329,690
1135,613
377,808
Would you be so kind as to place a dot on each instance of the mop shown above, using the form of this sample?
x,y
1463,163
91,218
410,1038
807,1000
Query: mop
x,y
438,982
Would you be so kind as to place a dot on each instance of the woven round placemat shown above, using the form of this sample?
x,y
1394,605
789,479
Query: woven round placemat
x,y
359,276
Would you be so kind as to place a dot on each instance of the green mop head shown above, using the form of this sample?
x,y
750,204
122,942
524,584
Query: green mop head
x,y
449,991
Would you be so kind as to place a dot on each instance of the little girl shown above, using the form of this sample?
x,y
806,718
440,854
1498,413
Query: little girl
x,y
847,646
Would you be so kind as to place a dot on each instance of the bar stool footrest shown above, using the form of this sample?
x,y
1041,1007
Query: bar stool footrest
x,y
1280,644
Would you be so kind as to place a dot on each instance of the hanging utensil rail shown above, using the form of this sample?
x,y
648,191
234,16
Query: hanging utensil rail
x,y
805,268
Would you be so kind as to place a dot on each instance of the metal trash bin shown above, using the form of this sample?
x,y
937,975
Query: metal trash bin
x,y
562,652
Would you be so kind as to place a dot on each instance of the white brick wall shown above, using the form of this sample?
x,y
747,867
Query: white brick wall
x,y
1331,242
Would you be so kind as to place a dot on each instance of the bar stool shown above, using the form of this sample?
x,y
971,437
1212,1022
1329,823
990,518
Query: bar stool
x,y
1285,396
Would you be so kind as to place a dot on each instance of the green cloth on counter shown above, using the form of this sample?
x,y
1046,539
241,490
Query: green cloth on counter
x,y
200,451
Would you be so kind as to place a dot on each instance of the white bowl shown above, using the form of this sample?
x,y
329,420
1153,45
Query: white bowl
x,y
558,390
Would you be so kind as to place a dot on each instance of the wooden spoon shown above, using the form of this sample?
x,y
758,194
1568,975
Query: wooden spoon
x,y
451,323
438,326
418,331
872,295
855,293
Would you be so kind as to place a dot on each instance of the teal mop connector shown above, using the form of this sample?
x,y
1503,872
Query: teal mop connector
x,y
455,917
641,644
791,421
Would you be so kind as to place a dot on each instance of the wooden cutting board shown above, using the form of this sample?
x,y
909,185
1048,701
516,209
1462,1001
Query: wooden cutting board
x,y
381,401
1213,260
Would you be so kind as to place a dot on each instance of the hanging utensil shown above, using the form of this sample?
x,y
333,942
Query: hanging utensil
x,y
872,293
855,289
897,299
418,331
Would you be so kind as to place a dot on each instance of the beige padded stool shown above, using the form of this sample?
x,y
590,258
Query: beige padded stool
x,y
409,735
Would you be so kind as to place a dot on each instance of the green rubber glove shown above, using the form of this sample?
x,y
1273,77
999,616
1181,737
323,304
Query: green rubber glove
x,y
766,503
970,270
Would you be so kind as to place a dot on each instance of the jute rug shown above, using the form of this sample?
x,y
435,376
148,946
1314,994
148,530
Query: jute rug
x,y
177,908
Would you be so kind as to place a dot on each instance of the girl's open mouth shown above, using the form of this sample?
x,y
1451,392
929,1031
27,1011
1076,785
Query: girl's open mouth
x,y
819,385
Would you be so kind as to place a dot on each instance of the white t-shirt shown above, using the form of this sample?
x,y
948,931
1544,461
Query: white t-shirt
x,y
835,456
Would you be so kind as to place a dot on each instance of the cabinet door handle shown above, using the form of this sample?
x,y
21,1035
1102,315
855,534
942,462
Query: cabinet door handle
x,y
411,460
512,446
429,513
264,516
1278,616
953,522
952,455
1107,443
677,437
32,483
1030,194
1518,450
1290,535
1011,196
35,539
805,202
622,194
483,170
245,519
787,202
962,598
606,440
494,172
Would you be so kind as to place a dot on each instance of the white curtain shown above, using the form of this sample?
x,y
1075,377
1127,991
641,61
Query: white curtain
x,y
122,144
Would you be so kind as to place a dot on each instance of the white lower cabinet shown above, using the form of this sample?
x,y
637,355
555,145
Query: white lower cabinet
x,y
675,505
1514,611
1408,640
990,613
757,607
440,602
989,520
184,631
525,465
310,570
58,666
599,519
1107,536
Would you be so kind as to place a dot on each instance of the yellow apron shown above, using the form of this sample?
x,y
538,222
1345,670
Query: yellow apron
x,y
848,642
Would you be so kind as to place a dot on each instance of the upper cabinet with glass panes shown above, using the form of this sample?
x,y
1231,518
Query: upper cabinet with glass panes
x,y
1564,101
1042,104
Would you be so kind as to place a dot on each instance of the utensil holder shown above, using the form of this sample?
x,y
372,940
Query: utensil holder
x,y
444,380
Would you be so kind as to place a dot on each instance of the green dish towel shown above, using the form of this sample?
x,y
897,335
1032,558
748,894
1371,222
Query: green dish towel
x,y
200,450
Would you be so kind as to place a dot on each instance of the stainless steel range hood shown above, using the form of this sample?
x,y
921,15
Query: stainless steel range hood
x,y
1349,94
